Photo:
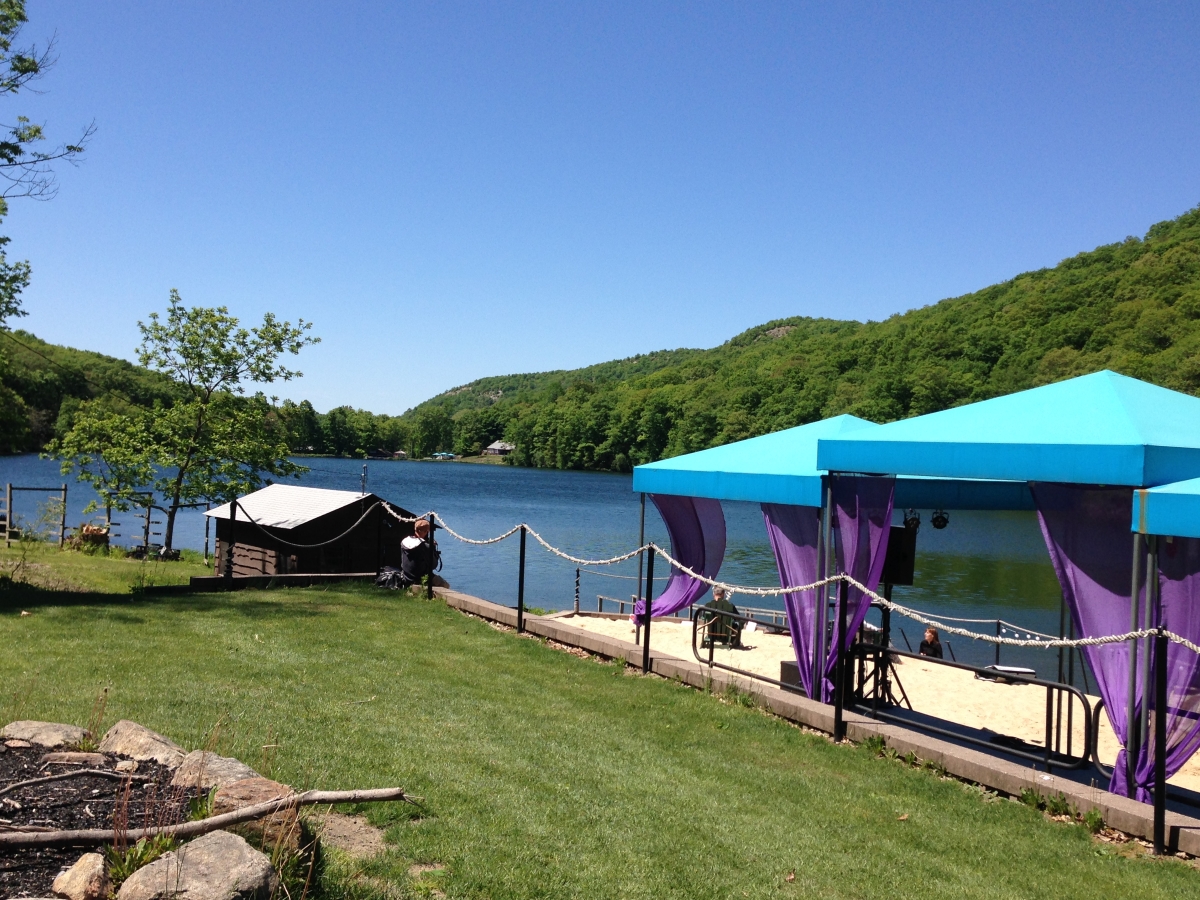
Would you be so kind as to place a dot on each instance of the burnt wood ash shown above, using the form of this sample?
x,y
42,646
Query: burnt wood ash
x,y
83,801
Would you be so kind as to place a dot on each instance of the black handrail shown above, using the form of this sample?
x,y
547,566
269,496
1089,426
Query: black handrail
x,y
1049,758
716,665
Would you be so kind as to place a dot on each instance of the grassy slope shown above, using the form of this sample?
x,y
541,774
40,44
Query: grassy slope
x,y
546,775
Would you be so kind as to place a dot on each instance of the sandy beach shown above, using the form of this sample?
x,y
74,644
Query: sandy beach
x,y
1016,710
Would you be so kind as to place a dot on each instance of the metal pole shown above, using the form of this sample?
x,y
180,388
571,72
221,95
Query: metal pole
x,y
1131,723
997,643
577,592
839,665
8,515
641,541
885,687
229,546
432,542
1160,741
1149,619
207,507
648,594
821,613
521,586
62,522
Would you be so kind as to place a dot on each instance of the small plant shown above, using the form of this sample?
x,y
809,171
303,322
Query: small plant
x,y
202,807
735,696
1058,805
932,765
1032,798
89,743
875,745
1093,820
910,758
890,753
124,862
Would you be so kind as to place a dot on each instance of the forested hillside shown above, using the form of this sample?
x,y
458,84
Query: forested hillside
x,y
1132,306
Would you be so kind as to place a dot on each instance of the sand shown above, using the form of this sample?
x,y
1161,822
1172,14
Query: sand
x,y
1017,710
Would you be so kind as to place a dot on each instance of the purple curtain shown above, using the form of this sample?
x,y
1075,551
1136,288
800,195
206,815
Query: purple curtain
x,y
696,526
1178,611
793,532
862,520
1087,533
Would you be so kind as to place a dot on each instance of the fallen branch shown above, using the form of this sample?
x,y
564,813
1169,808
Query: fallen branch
x,y
76,773
95,836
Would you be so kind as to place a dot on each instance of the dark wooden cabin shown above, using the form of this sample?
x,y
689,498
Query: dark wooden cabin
x,y
304,515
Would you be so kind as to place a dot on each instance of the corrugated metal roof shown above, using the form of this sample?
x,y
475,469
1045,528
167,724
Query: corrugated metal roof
x,y
288,505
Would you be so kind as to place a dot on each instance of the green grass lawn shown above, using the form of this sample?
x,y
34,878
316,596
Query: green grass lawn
x,y
545,775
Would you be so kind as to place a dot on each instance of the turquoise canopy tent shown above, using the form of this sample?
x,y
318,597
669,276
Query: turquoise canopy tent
x,y
1170,509
782,468
1103,428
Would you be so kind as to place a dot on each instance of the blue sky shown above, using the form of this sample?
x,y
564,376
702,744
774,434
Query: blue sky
x,y
457,190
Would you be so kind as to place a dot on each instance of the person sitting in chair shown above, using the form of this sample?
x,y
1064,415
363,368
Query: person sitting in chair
x,y
419,555
931,646
720,630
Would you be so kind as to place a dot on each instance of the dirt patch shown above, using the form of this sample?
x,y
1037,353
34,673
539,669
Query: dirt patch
x,y
353,835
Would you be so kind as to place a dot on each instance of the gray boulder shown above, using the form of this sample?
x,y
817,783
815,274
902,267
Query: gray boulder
x,y
218,866
44,734
86,880
202,769
130,739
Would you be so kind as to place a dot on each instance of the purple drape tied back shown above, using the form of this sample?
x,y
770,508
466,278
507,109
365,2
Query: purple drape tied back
x,y
862,520
793,532
696,526
1087,533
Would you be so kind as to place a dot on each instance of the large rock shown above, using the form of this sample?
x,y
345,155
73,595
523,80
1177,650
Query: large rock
x,y
218,866
138,742
86,880
204,770
44,734
281,829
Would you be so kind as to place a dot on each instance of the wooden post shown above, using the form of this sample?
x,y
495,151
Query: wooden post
x,y
62,522
229,544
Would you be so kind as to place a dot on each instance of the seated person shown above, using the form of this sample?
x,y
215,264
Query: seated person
x,y
419,556
931,646
720,629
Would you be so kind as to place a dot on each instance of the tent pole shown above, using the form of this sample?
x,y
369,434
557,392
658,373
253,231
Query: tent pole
x,y
648,594
641,542
839,668
1160,741
1148,621
1131,723
821,613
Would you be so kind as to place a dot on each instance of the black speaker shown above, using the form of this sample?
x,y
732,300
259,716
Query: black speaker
x,y
901,555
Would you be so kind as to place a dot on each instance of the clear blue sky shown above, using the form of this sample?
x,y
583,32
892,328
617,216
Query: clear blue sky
x,y
451,191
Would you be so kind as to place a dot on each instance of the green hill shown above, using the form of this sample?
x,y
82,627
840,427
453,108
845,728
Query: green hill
x,y
39,382
1133,307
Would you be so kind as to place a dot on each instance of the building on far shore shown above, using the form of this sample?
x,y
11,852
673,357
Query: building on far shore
x,y
498,448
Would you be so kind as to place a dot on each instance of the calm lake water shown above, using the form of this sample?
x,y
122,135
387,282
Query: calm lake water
x,y
983,565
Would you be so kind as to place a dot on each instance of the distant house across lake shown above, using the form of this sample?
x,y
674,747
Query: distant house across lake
x,y
498,448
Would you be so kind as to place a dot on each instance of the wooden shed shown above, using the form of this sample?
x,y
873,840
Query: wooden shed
x,y
305,515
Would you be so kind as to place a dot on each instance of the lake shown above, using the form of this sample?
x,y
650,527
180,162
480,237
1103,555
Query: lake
x,y
984,564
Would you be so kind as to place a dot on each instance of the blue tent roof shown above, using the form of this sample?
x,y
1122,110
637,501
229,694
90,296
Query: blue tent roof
x,y
782,468
1172,509
773,468
1103,428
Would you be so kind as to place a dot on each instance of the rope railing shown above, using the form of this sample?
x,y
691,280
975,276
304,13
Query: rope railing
x,y
1043,641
